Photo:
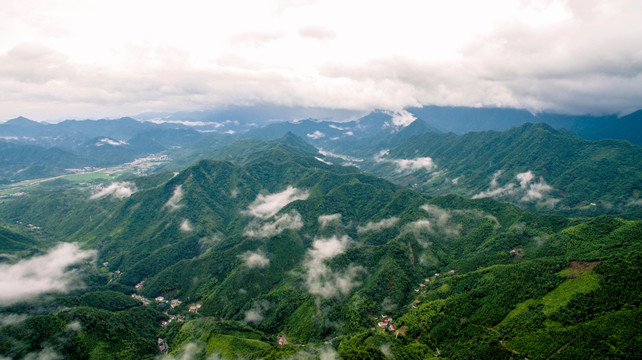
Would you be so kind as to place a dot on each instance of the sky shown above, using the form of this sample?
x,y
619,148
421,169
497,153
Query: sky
x,y
90,59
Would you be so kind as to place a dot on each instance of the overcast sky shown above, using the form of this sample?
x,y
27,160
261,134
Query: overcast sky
x,y
89,59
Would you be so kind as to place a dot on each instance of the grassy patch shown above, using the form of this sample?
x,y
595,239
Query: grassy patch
x,y
232,346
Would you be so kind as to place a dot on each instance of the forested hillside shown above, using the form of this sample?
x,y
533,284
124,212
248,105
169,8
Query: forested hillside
x,y
278,254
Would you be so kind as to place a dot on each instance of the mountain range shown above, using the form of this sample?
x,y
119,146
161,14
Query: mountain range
x,y
278,244
381,236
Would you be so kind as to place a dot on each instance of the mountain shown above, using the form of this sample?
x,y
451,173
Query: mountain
x,y
532,165
461,120
20,162
280,245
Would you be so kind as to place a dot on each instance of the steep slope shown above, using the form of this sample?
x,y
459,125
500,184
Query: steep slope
x,y
20,161
534,165
280,244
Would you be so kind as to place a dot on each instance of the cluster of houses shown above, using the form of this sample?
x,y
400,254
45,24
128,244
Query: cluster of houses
x,y
385,323
29,226
427,280
179,318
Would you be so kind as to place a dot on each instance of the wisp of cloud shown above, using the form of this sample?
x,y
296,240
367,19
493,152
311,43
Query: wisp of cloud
x,y
42,274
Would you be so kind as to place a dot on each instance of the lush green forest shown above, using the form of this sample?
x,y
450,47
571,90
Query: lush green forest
x,y
533,165
270,253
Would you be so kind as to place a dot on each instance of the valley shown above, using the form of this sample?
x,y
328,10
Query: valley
x,y
273,252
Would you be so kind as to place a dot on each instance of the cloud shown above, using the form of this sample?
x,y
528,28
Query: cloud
x,y
315,135
255,38
317,32
577,56
406,164
12,319
400,119
493,181
74,326
322,281
377,226
44,354
255,314
442,220
266,206
323,161
118,190
255,259
415,164
107,141
190,351
526,191
325,220
291,220
42,274
186,226
379,156
177,196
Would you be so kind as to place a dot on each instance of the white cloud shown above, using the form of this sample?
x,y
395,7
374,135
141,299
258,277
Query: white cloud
x,y
41,274
186,226
255,259
253,316
381,154
379,225
108,141
189,351
325,220
321,280
266,206
44,354
12,319
291,220
177,196
74,326
442,220
315,135
496,175
317,32
323,161
400,119
525,178
118,190
526,191
415,164
58,61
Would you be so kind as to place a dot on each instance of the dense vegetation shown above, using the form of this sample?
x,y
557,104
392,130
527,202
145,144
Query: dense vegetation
x,y
335,256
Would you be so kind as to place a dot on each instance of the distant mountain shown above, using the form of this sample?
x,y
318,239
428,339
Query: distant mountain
x,y
22,162
461,120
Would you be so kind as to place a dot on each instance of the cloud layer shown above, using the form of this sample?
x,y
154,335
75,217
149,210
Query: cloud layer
x,y
42,274
62,60
266,206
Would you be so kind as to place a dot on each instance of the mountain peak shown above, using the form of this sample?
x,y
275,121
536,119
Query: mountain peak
x,y
21,120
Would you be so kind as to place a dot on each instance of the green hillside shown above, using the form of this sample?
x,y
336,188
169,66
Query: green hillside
x,y
277,245
532,165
